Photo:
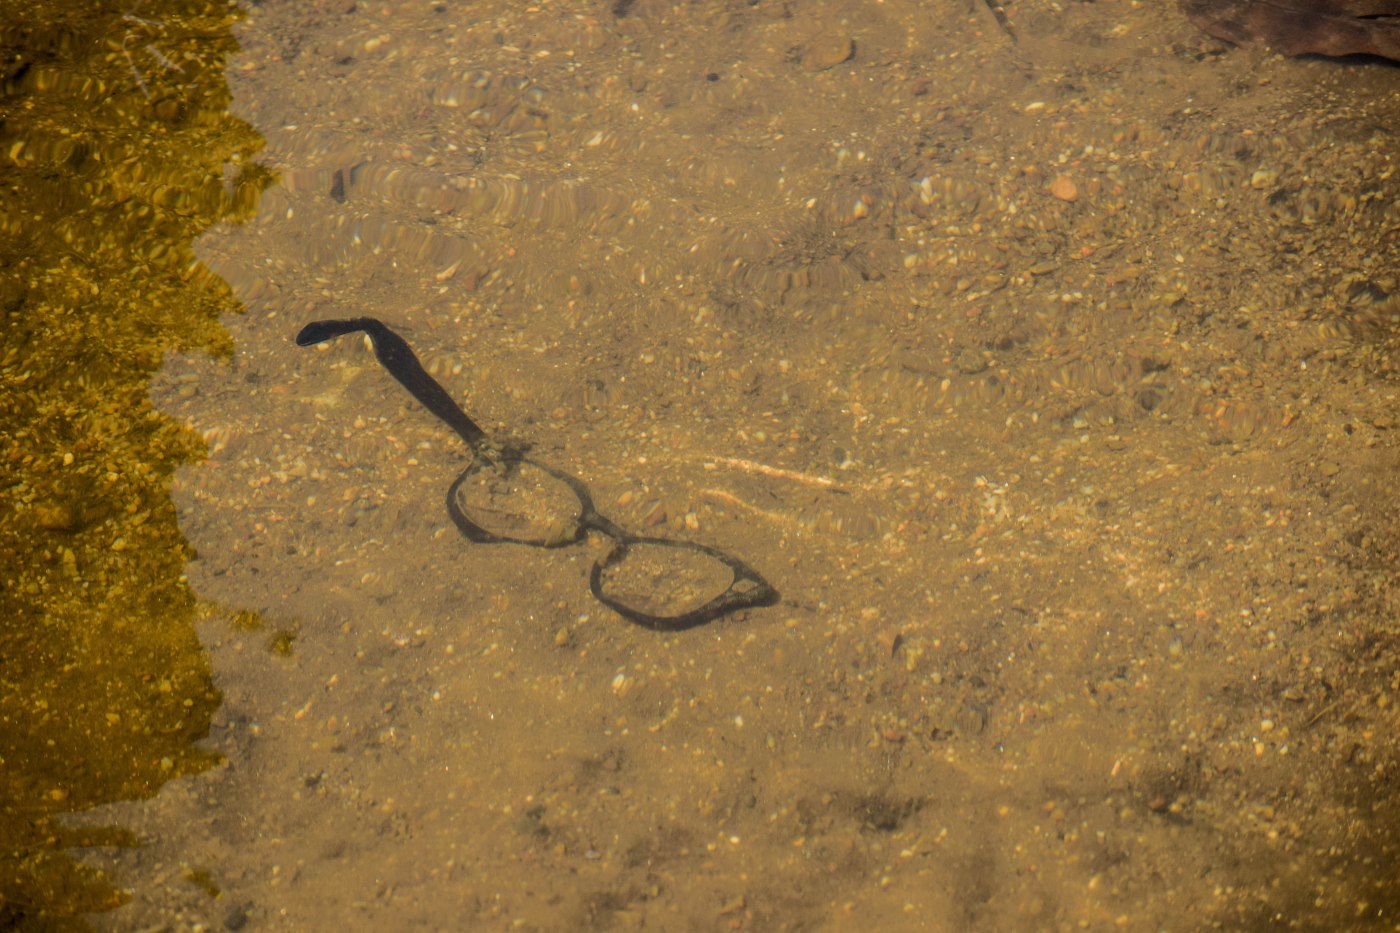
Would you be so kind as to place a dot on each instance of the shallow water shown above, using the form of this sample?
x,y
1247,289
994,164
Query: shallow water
x,y
1047,374
115,155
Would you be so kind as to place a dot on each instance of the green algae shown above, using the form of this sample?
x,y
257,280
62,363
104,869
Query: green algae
x,y
116,151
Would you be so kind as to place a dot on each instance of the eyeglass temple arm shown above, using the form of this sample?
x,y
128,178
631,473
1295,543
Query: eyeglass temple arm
x,y
398,358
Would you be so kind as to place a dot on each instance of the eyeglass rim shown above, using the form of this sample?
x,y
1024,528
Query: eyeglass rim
x,y
587,516
762,593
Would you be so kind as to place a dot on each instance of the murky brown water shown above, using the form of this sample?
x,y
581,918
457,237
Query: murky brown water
x,y
1047,376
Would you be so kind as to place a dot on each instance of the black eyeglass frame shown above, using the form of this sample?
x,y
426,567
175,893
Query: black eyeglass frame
x,y
590,519
747,588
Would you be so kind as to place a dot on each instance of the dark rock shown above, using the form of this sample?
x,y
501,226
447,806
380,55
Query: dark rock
x,y
1304,27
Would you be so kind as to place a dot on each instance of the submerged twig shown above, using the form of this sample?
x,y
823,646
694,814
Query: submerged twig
x,y
1320,713
721,497
798,476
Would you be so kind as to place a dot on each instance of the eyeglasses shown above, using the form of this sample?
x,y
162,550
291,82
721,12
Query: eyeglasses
x,y
504,497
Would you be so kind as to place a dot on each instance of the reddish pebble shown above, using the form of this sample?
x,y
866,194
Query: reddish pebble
x,y
1063,188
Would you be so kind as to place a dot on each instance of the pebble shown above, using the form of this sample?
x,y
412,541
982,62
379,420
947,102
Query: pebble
x,y
1263,178
1064,188
970,362
828,51
59,517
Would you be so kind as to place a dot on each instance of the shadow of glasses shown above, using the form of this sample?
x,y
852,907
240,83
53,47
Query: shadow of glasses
x,y
504,497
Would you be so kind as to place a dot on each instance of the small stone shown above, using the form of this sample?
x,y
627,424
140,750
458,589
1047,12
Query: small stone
x,y
890,640
236,918
59,517
733,905
1064,188
828,51
970,362
1263,179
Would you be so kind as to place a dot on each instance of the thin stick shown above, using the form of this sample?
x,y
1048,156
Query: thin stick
x,y
779,472
1323,712
724,498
